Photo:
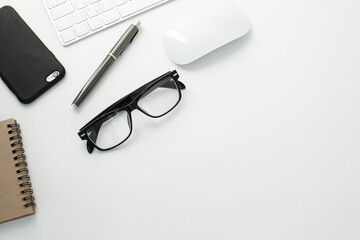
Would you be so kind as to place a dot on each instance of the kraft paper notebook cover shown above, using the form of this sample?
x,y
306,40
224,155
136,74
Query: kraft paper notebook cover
x,y
16,199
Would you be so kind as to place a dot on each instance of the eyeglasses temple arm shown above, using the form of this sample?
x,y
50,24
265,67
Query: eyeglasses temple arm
x,y
132,95
117,103
166,85
170,85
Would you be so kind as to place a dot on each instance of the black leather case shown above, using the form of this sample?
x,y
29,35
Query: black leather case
x,y
25,62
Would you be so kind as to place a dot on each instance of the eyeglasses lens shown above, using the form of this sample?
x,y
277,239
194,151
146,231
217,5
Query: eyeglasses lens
x,y
110,131
161,98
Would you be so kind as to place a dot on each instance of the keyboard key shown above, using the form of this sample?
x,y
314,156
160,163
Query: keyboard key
x,y
64,23
110,16
62,11
95,23
119,2
68,36
135,6
79,17
93,11
81,29
79,4
106,5
53,3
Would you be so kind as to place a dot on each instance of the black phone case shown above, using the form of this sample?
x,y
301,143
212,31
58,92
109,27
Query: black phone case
x,y
25,62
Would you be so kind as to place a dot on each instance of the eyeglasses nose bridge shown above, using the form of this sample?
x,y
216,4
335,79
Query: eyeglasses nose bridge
x,y
132,106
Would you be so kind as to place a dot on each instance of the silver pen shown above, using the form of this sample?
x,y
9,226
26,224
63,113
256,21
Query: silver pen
x,y
115,52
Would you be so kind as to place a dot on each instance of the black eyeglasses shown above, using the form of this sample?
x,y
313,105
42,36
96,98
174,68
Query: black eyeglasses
x,y
113,126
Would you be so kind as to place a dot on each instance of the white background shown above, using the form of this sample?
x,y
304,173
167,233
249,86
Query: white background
x,y
264,145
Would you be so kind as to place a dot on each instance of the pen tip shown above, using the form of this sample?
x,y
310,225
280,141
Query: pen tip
x,y
74,105
137,23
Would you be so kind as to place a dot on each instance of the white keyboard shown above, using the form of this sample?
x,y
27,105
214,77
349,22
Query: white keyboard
x,y
77,19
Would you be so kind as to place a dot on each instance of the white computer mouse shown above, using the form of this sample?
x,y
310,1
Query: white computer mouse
x,y
204,32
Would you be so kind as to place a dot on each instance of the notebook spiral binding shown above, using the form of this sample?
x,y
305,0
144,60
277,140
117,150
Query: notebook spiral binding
x,y
21,165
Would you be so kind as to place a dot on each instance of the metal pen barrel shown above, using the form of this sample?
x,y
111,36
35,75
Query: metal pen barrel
x,y
94,79
115,52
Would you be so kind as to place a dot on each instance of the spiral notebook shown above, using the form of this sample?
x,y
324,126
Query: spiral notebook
x,y
16,195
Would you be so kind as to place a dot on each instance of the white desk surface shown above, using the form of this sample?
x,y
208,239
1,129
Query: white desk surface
x,y
264,145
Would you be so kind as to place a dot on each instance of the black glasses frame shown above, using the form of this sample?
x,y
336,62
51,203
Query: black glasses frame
x,y
128,103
